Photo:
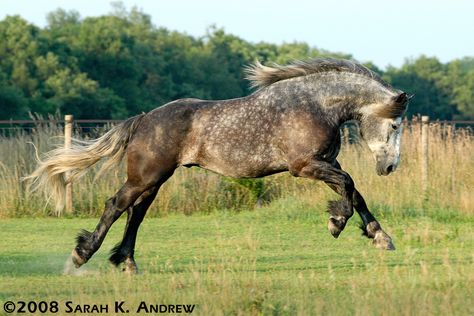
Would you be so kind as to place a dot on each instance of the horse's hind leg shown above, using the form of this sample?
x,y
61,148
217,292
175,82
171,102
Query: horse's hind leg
x,y
124,251
88,243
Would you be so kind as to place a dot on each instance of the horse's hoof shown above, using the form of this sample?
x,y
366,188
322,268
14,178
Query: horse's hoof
x,y
335,225
130,267
76,259
383,241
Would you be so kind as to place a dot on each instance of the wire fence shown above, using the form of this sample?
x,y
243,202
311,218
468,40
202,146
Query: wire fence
x,y
26,123
92,128
11,126
90,124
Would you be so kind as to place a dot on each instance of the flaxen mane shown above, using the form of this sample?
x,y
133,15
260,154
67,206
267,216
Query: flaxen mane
x,y
262,76
394,110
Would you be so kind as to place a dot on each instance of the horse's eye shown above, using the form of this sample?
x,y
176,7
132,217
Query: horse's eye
x,y
394,127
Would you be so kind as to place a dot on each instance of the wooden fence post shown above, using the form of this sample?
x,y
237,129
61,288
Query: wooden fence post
x,y
424,154
68,119
453,153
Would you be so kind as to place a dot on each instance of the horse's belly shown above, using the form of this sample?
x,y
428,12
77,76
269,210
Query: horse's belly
x,y
243,171
239,164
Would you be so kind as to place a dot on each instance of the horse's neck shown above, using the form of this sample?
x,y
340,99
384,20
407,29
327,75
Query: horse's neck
x,y
342,113
343,95
338,96
335,106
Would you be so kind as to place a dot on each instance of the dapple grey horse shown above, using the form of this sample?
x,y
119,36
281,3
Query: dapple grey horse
x,y
291,123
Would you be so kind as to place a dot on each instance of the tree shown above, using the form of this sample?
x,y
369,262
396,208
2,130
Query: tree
x,y
423,77
13,102
463,97
62,18
18,48
120,64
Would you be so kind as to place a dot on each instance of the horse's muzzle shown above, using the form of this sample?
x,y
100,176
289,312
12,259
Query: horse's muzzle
x,y
385,169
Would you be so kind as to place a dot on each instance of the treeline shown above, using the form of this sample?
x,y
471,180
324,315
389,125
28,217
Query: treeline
x,y
120,64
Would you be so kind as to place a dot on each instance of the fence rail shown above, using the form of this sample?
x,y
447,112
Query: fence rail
x,y
98,121
104,121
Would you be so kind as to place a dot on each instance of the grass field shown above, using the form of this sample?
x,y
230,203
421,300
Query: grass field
x,y
239,247
278,259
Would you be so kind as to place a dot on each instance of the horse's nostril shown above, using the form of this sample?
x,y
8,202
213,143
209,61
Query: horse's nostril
x,y
389,169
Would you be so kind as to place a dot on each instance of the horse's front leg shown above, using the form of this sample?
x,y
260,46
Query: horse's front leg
x,y
370,226
338,180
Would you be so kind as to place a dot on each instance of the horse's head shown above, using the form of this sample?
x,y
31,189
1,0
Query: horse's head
x,y
381,128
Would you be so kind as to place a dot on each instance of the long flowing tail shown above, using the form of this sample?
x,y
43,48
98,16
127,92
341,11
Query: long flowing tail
x,y
61,165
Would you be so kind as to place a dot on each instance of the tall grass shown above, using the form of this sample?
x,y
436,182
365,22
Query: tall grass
x,y
451,161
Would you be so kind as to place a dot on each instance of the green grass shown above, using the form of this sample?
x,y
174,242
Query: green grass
x,y
279,259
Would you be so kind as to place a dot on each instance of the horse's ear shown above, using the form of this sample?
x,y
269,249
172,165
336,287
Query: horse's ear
x,y
401,98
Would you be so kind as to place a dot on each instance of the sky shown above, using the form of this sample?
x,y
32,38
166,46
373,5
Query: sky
x,y
381,31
